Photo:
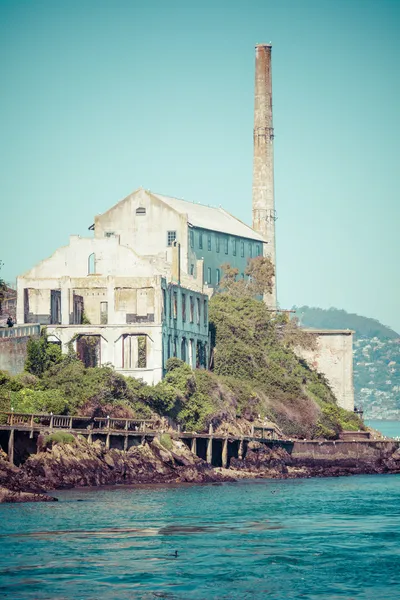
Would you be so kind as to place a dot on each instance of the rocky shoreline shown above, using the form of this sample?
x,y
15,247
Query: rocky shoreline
x,y
81,464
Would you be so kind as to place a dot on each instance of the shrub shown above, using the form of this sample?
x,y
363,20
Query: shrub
x,y
165,440
60,437
40,401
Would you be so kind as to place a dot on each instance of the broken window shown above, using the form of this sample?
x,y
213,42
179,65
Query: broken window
x,y
55,307
209,242
142,352
200,240
217,243
134,351
191,237
103,313
175,305
88,350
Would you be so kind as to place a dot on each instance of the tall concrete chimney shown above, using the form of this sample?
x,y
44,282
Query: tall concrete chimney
x,y
264,215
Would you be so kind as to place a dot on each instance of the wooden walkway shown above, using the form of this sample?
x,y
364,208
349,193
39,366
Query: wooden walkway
x,y
109,427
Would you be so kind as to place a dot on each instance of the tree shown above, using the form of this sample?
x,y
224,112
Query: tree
x,y
259,275
41,354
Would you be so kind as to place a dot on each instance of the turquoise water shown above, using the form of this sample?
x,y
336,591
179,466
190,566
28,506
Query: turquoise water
x,y
312,538
388,428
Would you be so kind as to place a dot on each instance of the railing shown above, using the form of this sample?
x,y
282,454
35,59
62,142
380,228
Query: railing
x,y
123,424
76,422
19,331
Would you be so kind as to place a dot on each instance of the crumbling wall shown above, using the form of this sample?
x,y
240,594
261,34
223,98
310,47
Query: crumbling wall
x,y
333,358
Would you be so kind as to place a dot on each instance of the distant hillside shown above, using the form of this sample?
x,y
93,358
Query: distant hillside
x,y
334,318
376,358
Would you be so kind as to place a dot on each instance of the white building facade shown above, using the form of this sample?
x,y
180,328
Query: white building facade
x,y
115,307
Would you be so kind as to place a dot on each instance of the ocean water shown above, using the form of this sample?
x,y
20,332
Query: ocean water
x,y
388,428
305,539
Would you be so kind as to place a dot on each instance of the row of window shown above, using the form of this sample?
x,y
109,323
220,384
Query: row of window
x,y
192,352
225,241
209,278
196,308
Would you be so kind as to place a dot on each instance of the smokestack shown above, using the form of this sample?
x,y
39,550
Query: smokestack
x,y
264,215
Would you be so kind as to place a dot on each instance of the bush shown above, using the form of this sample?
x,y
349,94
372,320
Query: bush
x,y
41,354
60,437
165,440
40,401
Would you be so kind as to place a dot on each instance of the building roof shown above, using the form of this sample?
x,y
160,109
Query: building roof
x,y
209,217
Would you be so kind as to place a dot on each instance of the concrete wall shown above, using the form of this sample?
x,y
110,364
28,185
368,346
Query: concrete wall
x,y
358,450
334,359
13,354
142,221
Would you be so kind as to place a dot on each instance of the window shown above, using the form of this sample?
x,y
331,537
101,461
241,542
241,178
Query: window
x,y
200,240
183,349
258,250
242,249
217,243
183,308
217,276
198,311
103,313
92,264
205,312
175,305
251,250
164,303
109,234
134,351
191,238
192,269
234,247
209,276
175,347
226,244
171,237
191,304
209,242
141,210
142,352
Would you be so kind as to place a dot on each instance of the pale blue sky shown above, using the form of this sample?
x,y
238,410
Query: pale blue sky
x,y
99,98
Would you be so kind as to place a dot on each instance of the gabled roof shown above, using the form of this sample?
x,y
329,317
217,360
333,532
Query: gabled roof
x,y
208,217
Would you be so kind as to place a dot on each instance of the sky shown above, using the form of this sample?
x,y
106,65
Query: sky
x,y
99,98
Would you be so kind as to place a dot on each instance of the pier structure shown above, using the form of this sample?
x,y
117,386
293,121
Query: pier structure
x,y
19,436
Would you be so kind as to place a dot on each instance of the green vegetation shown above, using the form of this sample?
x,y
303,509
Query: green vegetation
x,y
165,440
256,375
59,437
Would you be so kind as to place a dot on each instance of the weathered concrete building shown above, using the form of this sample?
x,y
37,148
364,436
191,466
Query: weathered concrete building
x,y
137,293
115,307
333,357
149,223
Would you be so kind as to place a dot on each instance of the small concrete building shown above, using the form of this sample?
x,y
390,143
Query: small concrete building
x,y
149,223
116,307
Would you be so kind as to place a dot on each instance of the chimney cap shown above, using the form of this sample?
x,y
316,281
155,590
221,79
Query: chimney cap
x,y
264,45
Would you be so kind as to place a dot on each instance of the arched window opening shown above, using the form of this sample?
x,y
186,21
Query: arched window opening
x,y
141,210
92,264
